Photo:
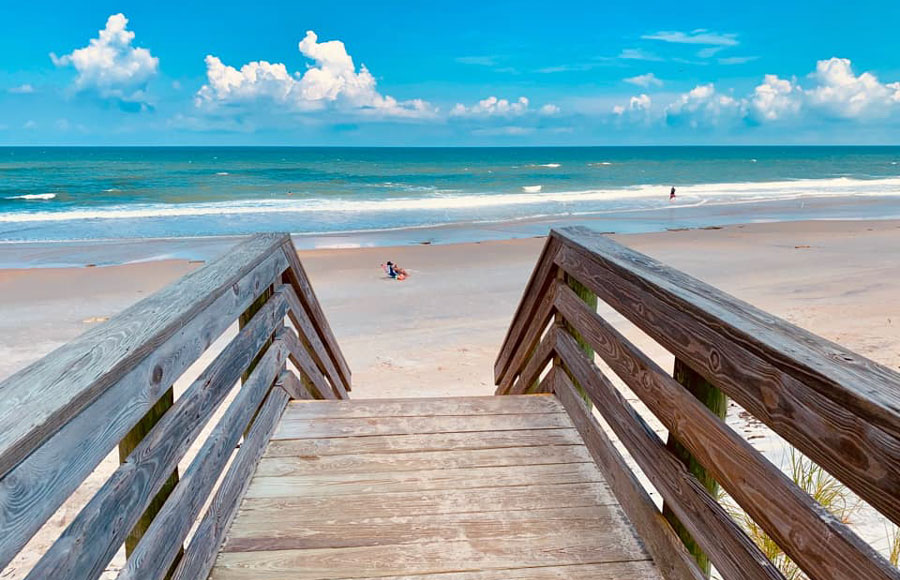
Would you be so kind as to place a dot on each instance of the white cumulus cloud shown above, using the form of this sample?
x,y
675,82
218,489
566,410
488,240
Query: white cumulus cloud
x,y
492,106
332,80
110,65
638,104
841,93
703,107
775,99
647,80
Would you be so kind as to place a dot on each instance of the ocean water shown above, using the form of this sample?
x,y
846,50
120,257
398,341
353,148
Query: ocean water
x,y
72,194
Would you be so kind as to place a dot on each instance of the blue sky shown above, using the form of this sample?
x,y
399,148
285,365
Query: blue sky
x,y
463,73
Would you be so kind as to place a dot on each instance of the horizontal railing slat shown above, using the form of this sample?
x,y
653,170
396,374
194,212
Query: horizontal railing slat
x,y
62,384
529,341
669,554
304,363
201,552
836,407
821,545
730,550
92,539
538,361
159,546
308,335
40,483
300,281
543,274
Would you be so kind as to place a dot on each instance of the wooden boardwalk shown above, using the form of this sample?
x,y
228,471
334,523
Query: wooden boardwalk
x,y
292,480
458,488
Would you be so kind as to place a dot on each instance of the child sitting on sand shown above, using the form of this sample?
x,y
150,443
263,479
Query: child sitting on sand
x,y
394,271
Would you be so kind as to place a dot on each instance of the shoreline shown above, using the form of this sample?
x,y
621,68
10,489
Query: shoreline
x,y
118,251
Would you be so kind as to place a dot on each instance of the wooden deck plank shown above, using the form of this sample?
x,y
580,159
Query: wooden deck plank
x,y
422,442
426,558
258,534
425,502
357,483
325,428
423,460
421,407
633,570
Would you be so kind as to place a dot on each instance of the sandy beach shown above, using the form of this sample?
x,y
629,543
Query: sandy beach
x,y
438,332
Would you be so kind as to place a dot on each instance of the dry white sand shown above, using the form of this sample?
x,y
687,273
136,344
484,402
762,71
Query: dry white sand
x,y
438,332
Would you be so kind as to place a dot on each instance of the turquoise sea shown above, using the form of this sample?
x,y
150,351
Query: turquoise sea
x,y
55,194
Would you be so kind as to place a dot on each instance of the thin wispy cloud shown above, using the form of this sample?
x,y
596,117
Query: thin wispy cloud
x,y
638,54
25,89
486,60
737,59
698,36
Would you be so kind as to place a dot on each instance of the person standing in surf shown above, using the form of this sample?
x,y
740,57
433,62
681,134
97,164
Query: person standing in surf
x,y
672,194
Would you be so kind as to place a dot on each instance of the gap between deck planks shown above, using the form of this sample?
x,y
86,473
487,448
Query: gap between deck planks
x,y
467,488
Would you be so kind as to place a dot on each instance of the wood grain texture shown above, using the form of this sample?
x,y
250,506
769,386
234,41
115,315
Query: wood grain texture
x,y
477,527
38,485
533,496
201,552
312,341
291,385
424,407
730,550
327,428
296,276
544,272
62,384
350,484
631,570
162,540
539,360
840,409
529,341
422,442
670,556
422,460
820,544
422,558
304,363
92,539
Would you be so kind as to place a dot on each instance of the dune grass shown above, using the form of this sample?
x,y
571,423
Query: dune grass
x,y
822,487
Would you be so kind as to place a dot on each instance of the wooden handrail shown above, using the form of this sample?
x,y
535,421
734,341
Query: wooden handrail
x,y
839,408
73,406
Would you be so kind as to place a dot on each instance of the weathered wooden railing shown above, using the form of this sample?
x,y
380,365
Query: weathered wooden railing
x,y
836,407
62,415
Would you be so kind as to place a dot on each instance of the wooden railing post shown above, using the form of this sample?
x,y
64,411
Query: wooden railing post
x,y
126,446
590,299
717,402
242,322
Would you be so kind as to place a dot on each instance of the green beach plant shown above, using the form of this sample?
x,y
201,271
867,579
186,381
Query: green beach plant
x,y
822,487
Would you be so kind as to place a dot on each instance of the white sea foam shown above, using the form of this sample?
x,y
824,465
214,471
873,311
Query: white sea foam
x,y
111,190
647,195
221,173
532,188
548,165
599,164
34,196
